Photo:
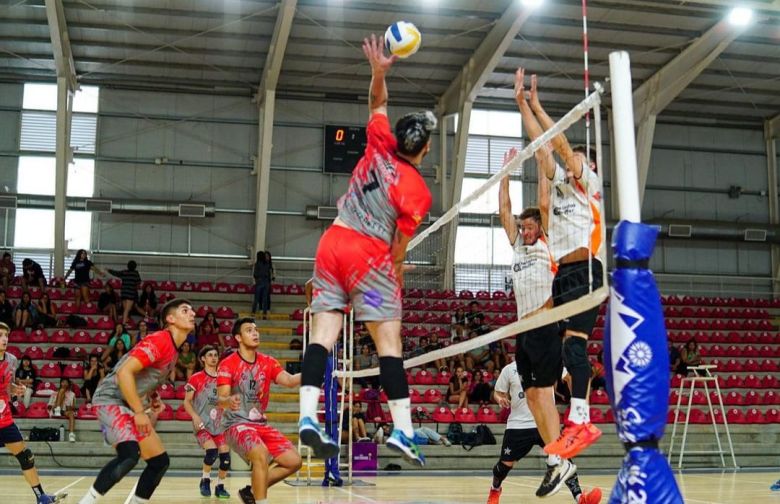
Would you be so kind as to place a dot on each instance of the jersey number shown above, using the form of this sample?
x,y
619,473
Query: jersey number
x,y
367,188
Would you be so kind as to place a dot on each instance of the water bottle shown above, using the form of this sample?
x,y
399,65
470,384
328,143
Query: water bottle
x,y
62,432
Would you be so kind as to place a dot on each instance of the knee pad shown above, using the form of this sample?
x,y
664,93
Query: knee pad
x,y
500,470
224,461
127,457
575,354
313,367
211,456
160,463
152,475
393,378
26,459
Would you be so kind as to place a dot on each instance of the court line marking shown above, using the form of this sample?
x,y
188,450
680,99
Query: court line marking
x,y
741,480
352,494
132,493
68,486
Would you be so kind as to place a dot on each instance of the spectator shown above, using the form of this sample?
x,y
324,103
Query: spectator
x,y
270,261
458,323
130,282
382,433
478,356
478,325
107,302
359,432
674,356
598,374
186,363
25,312
208,333
459,388
94,372
63,403
147,305
120,333
7,270
47,312
143,331
472,315
6,310
689,356
433,344
366,360
82,266
426,435
32,274
27,376
112,356
482,391
262,273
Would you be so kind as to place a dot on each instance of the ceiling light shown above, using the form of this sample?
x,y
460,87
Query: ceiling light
x,y
740,16
532,4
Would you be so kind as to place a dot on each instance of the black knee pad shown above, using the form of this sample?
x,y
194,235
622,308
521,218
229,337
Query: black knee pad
x,y
393,378
26,459
224,461
127,455
500,470
211,456
313,366
575,353
152,475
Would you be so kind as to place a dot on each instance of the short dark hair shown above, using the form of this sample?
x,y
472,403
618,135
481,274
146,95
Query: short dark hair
x,y
170,307
413,130
532,213
237,325
132,265
27,262
5,327
6,254
590,153
206,349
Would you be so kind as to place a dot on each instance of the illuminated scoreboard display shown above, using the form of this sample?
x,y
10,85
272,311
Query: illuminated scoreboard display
x,y
344,146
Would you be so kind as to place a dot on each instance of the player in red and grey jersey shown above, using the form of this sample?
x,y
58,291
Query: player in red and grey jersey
x,y
243,387
200,402
119,400
10,437
359,259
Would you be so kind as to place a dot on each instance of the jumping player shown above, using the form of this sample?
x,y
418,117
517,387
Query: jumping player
x,y
244,380
575,242
360,259
10,437
521,435
120,397
200,401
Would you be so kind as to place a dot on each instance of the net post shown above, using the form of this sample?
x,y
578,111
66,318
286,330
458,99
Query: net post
x,y
625,141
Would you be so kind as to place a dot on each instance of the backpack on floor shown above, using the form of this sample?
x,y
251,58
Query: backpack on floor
x,y
455,433
481,435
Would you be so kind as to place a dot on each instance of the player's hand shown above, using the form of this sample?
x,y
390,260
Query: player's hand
x,y
503,401
375,54
520,84
534,95
18,389
197,423
509,156
235,402
143,423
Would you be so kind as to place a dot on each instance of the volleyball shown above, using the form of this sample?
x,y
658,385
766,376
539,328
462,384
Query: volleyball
x,y
402,39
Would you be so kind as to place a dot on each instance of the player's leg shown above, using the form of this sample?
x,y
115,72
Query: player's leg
x,y
12,438
212,453
278,447
287,463
157,462
516,445
224,467
580,497
258,457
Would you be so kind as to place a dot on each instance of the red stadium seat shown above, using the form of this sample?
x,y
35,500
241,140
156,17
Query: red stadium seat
x,y
733,398
421,414
166,286
78,352
772,415
599,397
699,397
754,416
18,336
465,415
770,382
465,294
181,414
204,310
769,366
14,350
34,352
166,391
45,389
204,287
752,382
734,381
37,410
224,288
179,392
50,370
105,324
167,413
752,397
442,414
771,397
186,286
225,312
73,370
38,336
597,416
424,377
226,327
735,416
67,308
60,336
609,416
415,397
81,337
432,396
443,378
88,309
697,416
86,412
487,415
751,366
101,338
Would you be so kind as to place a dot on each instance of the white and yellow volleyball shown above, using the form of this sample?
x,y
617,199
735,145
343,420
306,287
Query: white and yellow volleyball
x,y
402,39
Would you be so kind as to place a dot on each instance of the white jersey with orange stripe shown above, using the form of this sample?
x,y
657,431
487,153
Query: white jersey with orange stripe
x,y
533,270
575,213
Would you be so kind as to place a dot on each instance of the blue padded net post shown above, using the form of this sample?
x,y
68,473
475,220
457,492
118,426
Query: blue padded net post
x,y
332,474
635,352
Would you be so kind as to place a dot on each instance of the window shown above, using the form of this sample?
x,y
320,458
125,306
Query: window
x,y
36,173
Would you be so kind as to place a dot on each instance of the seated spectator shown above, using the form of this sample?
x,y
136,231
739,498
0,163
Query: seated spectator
x,y
107,302
6,310
185,364
82,266
25,375
94,372
130,282
477,357
478,325
116,352
208,333
147,304
359,432
458,323
25,312
366,360
472,314
425,435
674,356
7,270
47,312
598,373
32,275
142,332
63,403
120,333
459,388
481,392
689,357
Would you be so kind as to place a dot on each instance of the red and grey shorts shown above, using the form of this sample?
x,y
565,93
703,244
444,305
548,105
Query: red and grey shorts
x,y
351,267
242,438
205,436
118,424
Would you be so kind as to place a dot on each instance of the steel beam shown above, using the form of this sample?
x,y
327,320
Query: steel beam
x,y
60,42
770,137
657,92
266,97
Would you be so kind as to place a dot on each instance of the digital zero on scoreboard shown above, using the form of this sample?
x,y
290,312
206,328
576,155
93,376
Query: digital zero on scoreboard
x,y
344,146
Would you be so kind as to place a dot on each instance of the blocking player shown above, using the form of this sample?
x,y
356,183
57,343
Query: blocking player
x,y
575,242
360,259
10,437
200,402
521,435
120,403
538,351
243,383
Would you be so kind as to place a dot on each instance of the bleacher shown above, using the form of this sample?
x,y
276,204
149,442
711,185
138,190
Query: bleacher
x,y
737,335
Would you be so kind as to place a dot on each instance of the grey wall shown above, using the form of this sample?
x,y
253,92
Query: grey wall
x,y
10,123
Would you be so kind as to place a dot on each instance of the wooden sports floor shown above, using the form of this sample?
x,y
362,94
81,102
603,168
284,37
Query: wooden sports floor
x,y
697,488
